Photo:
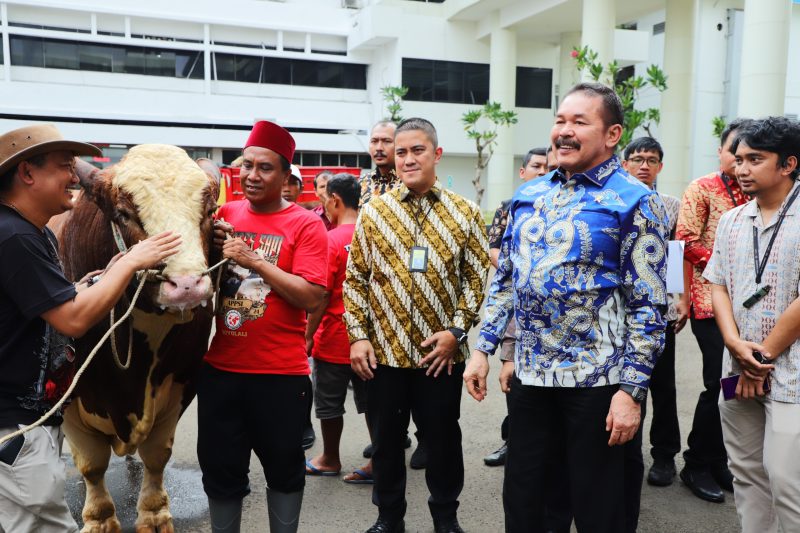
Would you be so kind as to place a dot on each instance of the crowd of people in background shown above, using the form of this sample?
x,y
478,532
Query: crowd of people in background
x,y
375,289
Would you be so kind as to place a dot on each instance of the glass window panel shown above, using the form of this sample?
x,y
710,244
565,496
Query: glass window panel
x,y
134,60
477,84
418,77
159,62
61,54
311,159
534,87
328,74
364,161
97,58
349,160
277,70
248,68
225,65
448,81
27,51
330,160
189,65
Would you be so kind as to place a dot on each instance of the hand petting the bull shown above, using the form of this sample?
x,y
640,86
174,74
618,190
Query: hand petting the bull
x,y
153,250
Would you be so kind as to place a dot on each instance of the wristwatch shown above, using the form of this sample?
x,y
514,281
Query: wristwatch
x,y
638,394
459,334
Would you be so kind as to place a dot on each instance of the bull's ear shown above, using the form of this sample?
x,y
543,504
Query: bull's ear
x,y
88,174
214,175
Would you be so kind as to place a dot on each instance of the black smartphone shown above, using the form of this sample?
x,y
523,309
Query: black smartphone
x,y
9,450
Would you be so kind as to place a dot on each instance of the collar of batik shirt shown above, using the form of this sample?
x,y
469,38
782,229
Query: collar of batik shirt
x,y
377,177
596,175
436,190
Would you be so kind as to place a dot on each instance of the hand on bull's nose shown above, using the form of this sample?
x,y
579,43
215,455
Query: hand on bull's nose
x,y
153,250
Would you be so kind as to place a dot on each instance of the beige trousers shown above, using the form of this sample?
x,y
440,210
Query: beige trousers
x,y
32,488
763,442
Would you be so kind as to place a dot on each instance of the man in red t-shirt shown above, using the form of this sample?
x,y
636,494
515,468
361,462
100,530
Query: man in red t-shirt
x,y
257,359
326,335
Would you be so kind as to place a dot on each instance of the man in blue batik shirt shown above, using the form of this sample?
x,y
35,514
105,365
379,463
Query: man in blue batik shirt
x,y
581,271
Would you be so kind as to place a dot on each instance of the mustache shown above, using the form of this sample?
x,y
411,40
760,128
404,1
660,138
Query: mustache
x,y
569,143
380,153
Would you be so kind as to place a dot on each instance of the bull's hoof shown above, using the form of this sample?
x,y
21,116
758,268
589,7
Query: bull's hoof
x,y
108,525
154,522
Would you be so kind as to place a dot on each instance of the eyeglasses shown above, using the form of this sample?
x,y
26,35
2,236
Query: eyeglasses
x,y
639,161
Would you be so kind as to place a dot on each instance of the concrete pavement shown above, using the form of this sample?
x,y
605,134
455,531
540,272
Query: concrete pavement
x,y
331,506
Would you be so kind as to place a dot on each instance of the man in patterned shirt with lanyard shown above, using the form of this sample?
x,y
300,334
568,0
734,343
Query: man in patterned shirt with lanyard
x,y
754,272
705,200
582,272
381,149
415,281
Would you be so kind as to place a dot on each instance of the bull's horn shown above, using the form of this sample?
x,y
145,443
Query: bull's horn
x,y
87,174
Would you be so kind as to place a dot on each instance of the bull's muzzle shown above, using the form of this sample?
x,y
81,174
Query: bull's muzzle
x,y
185,291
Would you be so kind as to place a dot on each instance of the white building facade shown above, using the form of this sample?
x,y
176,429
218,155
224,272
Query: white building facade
x,y
199,73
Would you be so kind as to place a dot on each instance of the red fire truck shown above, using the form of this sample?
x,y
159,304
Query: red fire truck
x,y
231,189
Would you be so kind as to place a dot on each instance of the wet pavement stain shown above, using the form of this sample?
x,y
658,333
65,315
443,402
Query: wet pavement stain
x,y
188,503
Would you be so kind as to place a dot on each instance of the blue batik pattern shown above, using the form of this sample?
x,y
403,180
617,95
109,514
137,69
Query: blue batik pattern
x,y
582,267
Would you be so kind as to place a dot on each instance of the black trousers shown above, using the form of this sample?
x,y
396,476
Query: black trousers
x,y
436,406
634,476
665,433
550,423
237,413
706,448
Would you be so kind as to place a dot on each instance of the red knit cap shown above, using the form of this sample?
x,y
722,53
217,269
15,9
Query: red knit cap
x,y
269,135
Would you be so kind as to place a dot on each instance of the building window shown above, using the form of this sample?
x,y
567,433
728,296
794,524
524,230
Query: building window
x,y
73,55
534,87
282,71
446,81
317,159
659,28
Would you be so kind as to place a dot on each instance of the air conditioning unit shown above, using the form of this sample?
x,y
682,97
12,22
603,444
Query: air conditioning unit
x,y
352,4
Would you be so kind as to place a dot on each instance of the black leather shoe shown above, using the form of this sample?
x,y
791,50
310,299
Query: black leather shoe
x,y
497,457
702,485
419,459
382,525
309,437
661,473
723,477
367,453
447,526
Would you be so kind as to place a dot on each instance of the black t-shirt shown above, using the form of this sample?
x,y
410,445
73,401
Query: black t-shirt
x,y
36,361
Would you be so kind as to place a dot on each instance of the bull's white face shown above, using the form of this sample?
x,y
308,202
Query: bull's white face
x,y
161,189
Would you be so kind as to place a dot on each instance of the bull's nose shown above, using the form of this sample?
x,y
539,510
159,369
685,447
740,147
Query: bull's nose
x,y
185,290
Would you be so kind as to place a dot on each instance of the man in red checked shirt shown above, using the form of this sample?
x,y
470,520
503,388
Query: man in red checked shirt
x,y
705,201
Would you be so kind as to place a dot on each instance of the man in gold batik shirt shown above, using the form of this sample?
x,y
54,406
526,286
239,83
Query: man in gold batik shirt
x,y
415,282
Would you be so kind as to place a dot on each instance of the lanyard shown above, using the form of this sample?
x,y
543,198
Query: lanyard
x,y
760,267
417,208
724,179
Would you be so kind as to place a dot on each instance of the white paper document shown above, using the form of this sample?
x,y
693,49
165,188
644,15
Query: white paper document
x,y
675,267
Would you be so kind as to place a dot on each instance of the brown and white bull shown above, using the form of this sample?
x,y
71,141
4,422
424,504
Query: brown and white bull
x,y
153,189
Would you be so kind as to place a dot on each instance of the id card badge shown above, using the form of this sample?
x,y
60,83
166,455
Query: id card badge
x,y
418,262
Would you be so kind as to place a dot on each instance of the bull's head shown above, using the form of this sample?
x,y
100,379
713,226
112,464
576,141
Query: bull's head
x,y
157,188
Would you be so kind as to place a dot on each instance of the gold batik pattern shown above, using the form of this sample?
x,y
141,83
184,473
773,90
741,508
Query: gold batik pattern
x,y
375,184
397,309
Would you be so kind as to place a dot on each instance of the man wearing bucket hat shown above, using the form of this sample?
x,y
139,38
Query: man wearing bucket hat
x,y
39,311
252,390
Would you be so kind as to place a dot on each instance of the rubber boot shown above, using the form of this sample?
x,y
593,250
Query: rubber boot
x,y
226,515
284,510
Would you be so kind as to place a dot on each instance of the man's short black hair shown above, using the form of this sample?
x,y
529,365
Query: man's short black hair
x,y
346,187
612,105
732,126
779,135
323,173
542,151
7,179
421,124
643,144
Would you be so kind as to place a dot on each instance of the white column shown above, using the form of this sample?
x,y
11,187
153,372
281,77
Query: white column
x,y
765,51
598,23
502,88
676,112
207,58
6,42
568,75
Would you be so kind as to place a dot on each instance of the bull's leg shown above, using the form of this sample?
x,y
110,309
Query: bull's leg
x,y
155,451
91,452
